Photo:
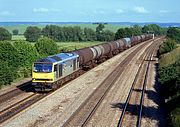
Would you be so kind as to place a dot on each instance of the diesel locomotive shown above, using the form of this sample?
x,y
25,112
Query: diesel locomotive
x,y
51,72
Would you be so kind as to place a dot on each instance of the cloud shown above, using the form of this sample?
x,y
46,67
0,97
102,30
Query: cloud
x,y
163,11
99,12
119,11
140,10
6,13
45,10
41,10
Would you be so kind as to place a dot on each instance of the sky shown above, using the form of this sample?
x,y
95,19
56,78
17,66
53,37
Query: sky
x,y
90,10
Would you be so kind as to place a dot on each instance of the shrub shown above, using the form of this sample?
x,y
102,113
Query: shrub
x,y
46,46
27,53
168,46
4,34
7,73
15,32
169,78
32,33
174,33
9,54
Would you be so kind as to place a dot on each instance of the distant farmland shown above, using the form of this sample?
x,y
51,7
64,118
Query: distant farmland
x,y
22,28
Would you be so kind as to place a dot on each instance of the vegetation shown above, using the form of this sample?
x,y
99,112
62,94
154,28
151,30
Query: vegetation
x,y
169,77
27,55
15,32
89,34
22,28
170,57
46,46
153,28
18,37
128,32
32,33
168,46
9,62
4,34
70,46
77,34
174,33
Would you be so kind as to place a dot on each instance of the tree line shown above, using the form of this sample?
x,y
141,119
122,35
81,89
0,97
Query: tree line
x,y
76,33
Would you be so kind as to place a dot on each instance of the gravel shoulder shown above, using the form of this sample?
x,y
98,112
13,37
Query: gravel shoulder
x,y
13,86
56,108
154,112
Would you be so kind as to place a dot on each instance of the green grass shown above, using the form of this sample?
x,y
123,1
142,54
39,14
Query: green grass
x,y
22,28
69,46
170,57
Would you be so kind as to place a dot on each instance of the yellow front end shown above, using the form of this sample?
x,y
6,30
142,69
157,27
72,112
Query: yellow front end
x,y
42,77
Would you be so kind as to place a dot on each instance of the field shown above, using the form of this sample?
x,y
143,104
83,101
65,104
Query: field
x,y
69,46
18,37
22,28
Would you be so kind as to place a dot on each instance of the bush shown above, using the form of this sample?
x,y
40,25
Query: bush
x,y
32,33
9,54
167,46
173,110
27,53
169,78
4,34
15,32
105,36
157,30
89,34
7,73
174,33
46,46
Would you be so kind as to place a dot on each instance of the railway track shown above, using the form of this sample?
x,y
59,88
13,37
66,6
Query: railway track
x,y
15,92
19,106
83,114
137,93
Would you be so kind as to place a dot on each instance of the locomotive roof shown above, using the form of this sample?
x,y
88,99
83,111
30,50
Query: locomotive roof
x,y
59,57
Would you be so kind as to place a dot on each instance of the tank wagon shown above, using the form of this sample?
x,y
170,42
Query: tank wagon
x,y
48,73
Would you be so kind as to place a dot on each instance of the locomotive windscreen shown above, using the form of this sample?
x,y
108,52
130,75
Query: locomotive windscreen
x,y
43,67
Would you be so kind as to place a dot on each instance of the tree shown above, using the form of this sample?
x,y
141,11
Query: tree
x,y
46,46
27,53
15,32
157,30
174,33
137,30
9,54
100,28
105,36
9,62
7,73
120,34
5,34
167,46
32,33
89,34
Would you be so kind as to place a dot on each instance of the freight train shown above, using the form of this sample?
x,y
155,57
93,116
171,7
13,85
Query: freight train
x,y
51,72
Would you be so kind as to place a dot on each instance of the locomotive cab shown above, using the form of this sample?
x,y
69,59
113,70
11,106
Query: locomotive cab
x,y
48,71
42,74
